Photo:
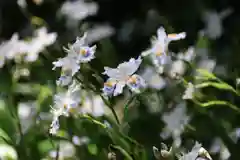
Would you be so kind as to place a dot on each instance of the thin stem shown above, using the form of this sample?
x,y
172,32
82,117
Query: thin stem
x,y
111,108
58,149
107,103
93,120
127,105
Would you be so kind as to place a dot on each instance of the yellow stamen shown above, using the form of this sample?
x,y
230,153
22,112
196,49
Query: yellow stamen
x,y
108,84
159,50
133,79
72,110
83,51
159,53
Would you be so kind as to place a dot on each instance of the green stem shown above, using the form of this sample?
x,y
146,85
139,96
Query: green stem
x,y
217,102
107,103
93,121
126,107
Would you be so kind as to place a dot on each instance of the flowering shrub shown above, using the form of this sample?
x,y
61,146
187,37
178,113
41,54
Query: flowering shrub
x,y
80,104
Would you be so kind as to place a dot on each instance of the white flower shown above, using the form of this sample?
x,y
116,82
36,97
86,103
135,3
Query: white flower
x,y
11,48
219,147
153,80
94,106
213,22
193,154
66,150
7,152
26,112
54,127
235,134
22,3
175,122
177,69
237,81
188,56
123,75
189,92
99,32
78,10
69,67
78,52
65,103
68,100
159,47
80,140
207,64
81,50
41,40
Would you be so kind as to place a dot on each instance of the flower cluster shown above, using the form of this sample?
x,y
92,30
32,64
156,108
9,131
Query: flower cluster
x,y
77,53
159,50
27,50
123,75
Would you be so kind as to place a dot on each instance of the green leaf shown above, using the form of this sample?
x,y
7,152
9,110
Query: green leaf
x,y
44,95
92,149
7,122
202,42
126,107
207,74
46,145
117,139
4,136
125,153
5,81
27,88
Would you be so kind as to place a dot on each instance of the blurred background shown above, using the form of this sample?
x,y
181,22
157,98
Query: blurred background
x,y
121,30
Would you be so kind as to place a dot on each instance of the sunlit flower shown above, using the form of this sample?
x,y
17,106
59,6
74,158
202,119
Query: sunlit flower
x,y
54,127
26,112
193,154
237,81
219,147
235,134
204,61
78,10
160,44
69,67
188,56
99,32
177,69
81,50
66,151
64,104
11,48
123,75
80,140
7,152
93,105
213,21
189,92
152,78
41,40
175,122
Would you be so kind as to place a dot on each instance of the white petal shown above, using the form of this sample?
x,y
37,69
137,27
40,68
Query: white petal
x,y
161,34
146,53
128,68
111,72
174,37
119,88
